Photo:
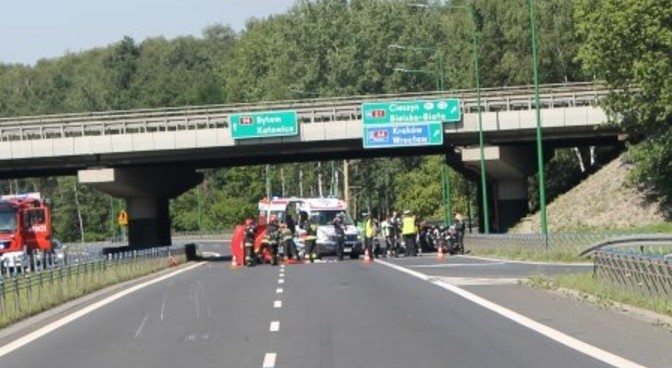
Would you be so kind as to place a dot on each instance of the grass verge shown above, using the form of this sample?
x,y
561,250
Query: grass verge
x,y
522,254
603,293
31,294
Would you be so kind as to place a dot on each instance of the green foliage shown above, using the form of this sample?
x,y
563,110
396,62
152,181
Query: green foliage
x,y
629,45
318,48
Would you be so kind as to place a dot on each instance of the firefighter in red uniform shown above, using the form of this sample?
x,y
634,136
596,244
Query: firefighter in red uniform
x,y
248,242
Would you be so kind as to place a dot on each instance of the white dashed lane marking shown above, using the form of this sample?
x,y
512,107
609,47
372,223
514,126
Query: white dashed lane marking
x,y
281,281
269,360
275,326
278,290
277,304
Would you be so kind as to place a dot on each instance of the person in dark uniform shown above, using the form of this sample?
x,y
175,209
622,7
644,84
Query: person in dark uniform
x,y
248,242
339,231
311,239
270,242
460,227
291,225
287,239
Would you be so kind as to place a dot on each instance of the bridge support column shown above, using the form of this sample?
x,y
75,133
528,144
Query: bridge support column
x,y
147,191
507,169
511,201
149,221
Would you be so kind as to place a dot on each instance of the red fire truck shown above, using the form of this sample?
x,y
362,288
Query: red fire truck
x,y
25,228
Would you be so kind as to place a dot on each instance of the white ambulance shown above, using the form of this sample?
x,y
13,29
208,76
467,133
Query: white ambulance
x,y
322,211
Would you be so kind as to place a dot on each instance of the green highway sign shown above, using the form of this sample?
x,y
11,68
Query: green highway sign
x,y
403,135
264,124
446,110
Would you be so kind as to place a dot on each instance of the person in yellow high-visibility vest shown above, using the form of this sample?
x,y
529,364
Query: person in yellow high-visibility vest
x,y
369,233
409,232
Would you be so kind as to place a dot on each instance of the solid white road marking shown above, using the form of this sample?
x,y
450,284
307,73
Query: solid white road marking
x,y
448,265
475,281
269,360
275,326
281,281
277,304
571,342
579,264
27,339
278,290
142,324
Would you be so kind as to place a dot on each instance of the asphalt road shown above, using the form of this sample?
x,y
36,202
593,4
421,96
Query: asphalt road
x,y
345,314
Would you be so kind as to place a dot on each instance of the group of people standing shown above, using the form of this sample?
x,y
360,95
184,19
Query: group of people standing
x,y
278,235
398,230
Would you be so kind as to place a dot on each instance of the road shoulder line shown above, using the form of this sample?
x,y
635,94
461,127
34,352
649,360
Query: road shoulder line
x,y
564,339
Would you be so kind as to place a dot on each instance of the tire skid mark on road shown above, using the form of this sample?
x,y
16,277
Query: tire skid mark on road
x,y
138,332
27,339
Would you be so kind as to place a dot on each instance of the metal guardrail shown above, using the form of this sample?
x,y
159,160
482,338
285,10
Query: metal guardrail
x,y
634,263
638,273
565,242
309,111
24,291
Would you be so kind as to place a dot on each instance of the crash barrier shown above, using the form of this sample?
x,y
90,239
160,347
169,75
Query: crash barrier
x,y
641,263
576,243
190,251
650,275
224,235
24,292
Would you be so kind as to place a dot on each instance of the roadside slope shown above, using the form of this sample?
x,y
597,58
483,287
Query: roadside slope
x,y
604,200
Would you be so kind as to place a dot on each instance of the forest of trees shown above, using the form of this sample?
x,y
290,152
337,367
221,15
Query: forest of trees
x,y
323,48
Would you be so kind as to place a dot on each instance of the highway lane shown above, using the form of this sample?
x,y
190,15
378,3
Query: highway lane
x,y
346,314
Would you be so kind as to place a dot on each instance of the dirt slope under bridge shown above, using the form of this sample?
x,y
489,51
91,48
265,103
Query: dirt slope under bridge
x,y
602,201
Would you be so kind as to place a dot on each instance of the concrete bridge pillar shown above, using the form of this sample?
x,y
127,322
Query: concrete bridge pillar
x,y
511,201
507,168
148,221
147,191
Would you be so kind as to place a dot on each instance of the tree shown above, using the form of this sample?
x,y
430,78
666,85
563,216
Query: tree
x,y
628,44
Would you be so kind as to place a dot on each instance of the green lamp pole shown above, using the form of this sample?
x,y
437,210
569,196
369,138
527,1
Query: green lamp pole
x,y
445,173
441,84
474,36
540,152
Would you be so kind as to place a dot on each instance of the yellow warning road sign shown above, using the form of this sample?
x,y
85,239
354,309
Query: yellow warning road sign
x,y
122,219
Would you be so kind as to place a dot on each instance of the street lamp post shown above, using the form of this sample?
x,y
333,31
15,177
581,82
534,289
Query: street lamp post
x,y
474,35
441,84
445,175
540,157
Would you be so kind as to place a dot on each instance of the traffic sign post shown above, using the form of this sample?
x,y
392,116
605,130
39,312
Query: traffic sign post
x,y
403,135
264,124
446,110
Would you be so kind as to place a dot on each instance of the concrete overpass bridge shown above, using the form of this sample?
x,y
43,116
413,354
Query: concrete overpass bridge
x,y
149,156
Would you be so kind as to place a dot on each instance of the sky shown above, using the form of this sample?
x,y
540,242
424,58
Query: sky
x,y
35,29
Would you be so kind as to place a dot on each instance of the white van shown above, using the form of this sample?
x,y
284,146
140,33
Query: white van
x,y
322,211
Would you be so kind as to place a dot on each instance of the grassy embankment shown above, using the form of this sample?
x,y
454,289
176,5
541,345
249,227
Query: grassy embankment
x,y
602,292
